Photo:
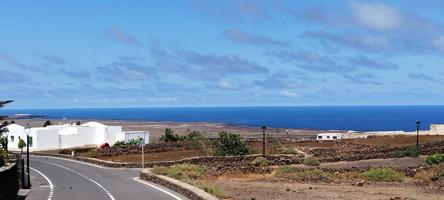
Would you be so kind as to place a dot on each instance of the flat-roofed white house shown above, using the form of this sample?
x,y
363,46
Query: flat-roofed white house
x,y
69,135
329,136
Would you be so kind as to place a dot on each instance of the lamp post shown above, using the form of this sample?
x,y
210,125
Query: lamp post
x,y
263,140
418,123
28,131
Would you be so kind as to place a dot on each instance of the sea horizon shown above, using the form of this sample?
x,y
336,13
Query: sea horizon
x,y
349,117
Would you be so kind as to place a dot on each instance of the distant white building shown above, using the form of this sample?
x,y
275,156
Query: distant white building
x,y
69,135
329,136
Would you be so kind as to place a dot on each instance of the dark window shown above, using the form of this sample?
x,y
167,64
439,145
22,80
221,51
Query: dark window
x,y
319,137
12,138
328,137
30,141
335,137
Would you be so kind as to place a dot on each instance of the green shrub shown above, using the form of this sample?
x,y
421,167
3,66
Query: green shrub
x,y
399,153
382,175
4,157
413,151
182,172
232,144
93,153
435,159
171,137
260,162
311,161
21,144
129,142
194,136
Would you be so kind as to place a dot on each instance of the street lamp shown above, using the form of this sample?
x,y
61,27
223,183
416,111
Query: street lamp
x,y
28,131
263,140
418,123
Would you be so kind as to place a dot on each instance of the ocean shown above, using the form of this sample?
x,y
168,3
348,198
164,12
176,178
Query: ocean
x,y
358,118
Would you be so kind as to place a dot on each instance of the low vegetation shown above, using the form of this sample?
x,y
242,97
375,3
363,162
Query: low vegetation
x,y
294,173
287,151
411,151
183,172
260,162
315,174
129,142
435,159
382,175
191,174
311,161
169,136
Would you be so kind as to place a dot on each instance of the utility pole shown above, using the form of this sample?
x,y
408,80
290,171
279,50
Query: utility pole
x,y
263,140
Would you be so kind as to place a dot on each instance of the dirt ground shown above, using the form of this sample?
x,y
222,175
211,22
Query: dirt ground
x,y
151,157
266,190
264,186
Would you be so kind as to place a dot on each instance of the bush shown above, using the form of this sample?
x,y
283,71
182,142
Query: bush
x,y
171,137
232,144
129,142
194,136
47,123
4,157
311,161
383,175
260,162
93,153
435,159
287,151
21,144
411,151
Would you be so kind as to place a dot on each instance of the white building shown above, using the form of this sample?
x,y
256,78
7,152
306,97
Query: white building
x,y
329,136
69,135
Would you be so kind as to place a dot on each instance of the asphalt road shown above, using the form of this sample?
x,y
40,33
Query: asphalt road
x,y
72,180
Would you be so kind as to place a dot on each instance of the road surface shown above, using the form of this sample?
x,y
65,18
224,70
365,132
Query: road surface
x,y
64,179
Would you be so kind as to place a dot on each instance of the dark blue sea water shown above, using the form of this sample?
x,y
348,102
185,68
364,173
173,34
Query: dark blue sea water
x,y
360,118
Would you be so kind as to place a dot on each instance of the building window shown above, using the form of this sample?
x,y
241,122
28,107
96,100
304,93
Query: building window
x,y
320,137
12,138
30,141
335,137
328,137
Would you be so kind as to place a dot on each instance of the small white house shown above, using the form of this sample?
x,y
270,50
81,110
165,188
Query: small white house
x,y
69,135
329,136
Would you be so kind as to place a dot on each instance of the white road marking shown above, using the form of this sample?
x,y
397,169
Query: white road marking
x,y
51,186
158,188
84,176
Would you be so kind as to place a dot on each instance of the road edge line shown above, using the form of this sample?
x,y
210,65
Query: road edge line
x,y
51,186
156,187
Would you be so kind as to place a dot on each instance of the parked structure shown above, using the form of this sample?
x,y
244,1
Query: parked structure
x,y
69,135
329,136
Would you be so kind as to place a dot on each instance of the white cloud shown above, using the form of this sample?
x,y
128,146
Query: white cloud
x,y
227,85
376,15
287,93
161,99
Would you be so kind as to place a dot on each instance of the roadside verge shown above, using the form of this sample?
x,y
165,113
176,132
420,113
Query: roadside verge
x,y
182,188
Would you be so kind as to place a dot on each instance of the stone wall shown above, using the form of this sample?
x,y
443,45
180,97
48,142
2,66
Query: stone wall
x,y
354,152
217,164
9,184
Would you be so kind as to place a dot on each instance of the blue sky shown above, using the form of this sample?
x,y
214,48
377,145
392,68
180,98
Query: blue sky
x,y
221,53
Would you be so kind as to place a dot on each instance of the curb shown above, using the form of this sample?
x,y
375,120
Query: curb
x,y
187,190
